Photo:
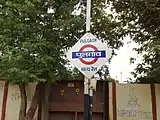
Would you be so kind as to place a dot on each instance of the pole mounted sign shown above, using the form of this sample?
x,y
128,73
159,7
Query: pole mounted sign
x,y
88,55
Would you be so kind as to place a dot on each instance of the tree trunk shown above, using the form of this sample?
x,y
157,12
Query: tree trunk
x,y
45,102
23,107
35,101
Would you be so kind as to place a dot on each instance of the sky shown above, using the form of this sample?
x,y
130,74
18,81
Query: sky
x,y
120,67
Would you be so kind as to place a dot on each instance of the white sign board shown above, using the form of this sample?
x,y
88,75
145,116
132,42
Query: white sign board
x,y
88,55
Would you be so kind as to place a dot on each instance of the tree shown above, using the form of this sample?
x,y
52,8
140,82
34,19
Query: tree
x,y
141,19
34,36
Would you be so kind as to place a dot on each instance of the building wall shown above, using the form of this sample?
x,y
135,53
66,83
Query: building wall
x,y
134,102
71,96
2,84
126,101
157,86
12,100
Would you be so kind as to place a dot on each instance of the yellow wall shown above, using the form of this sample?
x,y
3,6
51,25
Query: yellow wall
x,y
1,95
134,102
157,86
13,101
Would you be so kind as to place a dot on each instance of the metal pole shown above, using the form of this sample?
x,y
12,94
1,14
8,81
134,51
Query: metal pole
x,y
86,99
88,16
90,103
86,81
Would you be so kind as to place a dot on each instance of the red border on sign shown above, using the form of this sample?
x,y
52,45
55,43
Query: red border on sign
x,y
88,62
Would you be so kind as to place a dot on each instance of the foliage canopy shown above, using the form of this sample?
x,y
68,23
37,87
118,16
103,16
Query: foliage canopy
x,y
35,34
140,19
